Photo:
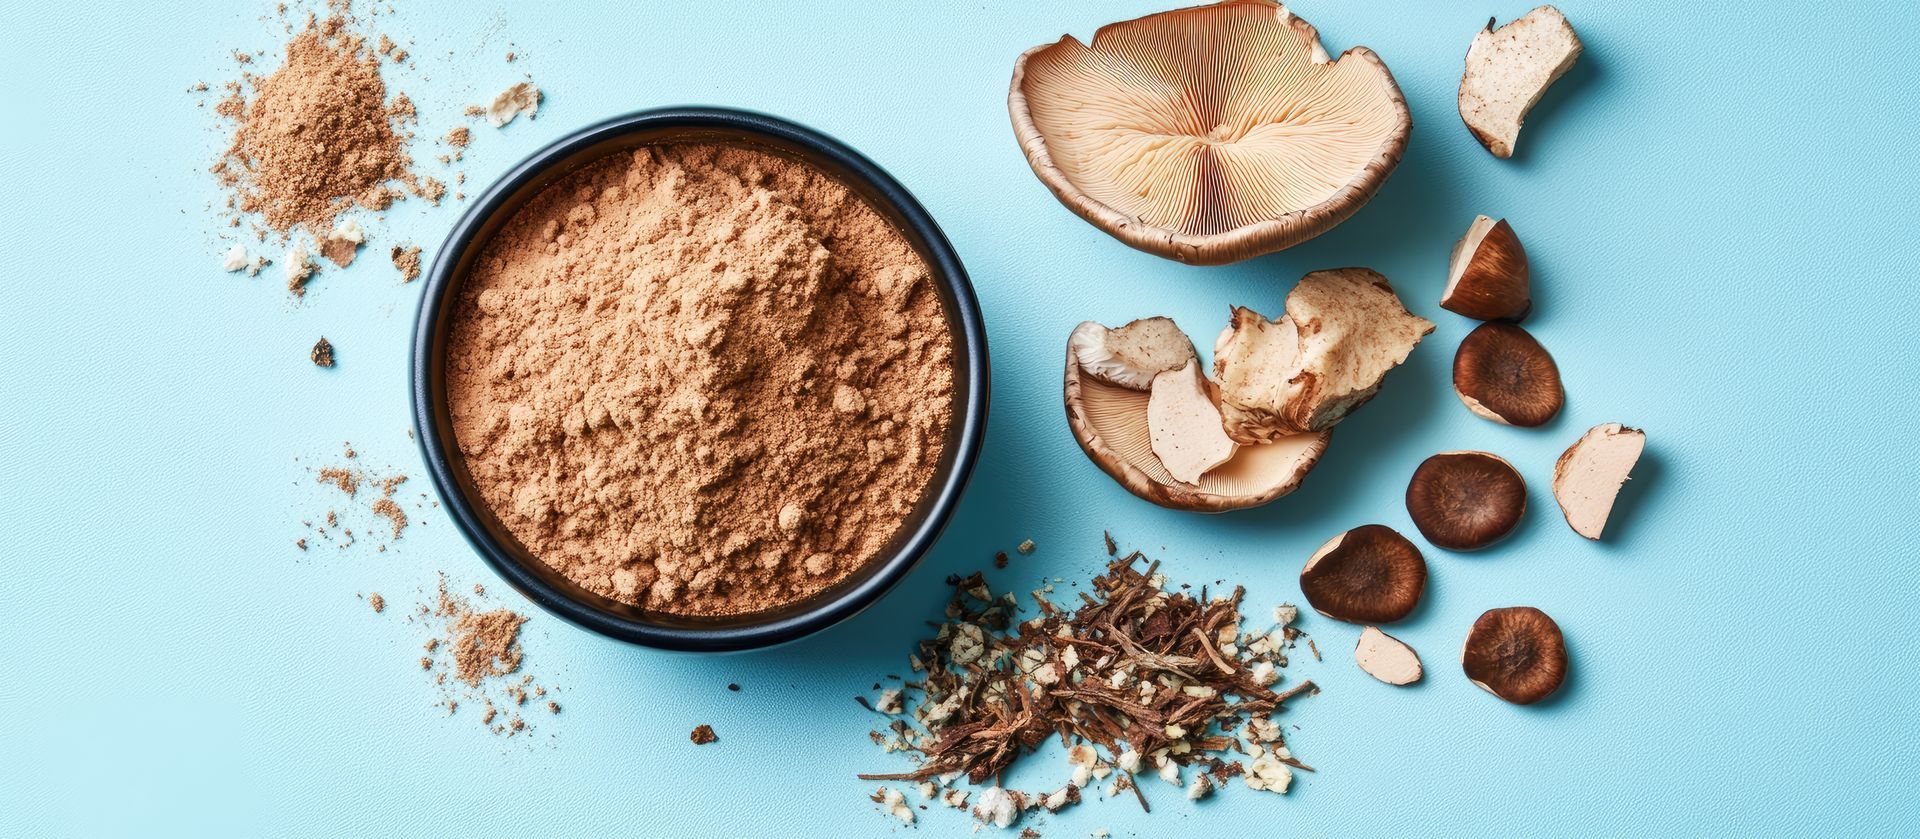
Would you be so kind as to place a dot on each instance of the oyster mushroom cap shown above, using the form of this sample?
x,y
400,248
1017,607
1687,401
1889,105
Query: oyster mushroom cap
x,y
1131,355
1209,134
1387,658
1111,425
1508,69
1343,330
1183,424
1370,574
1503,374
1516,653
1488,277
1588,477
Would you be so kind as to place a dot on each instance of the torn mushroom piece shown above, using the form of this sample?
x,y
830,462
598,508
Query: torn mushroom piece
x,y
1488,278
1131,355
1465,501
1503,374
1113,427
1588,477
1387,658
1516,653
1209,134
1343,330
1183,424
1370,574
1507,71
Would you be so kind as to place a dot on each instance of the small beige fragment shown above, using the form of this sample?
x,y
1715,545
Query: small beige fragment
x,y
1132,355
299,268
1184,424
522,98
1387,658
1508,69
1588,477
235,260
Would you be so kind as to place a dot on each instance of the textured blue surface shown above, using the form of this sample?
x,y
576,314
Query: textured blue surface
x,y
1716,202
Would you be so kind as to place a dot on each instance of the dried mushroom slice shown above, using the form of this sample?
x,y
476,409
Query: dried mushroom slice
x,y
1589,475
1111,424
1503,374
1343,330
1209,134
1133,354
1370,574
1183,424
1516,653
1465,501
1508,69
1488,277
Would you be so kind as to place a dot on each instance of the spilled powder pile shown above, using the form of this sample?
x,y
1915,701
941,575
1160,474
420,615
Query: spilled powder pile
x,y
480,650
700,379
318,135
348,480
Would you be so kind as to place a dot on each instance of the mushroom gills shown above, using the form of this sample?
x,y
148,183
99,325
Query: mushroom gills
x,y
1131,355
1488,277
1588,477
1370,574
1507,71
1183,424
1343,331
1387,658
1516,653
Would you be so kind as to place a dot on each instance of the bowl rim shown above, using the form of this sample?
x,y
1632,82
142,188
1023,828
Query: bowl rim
x,y
943,265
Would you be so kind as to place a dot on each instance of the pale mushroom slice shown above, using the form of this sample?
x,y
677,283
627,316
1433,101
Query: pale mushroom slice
x,y
1387,658
1343,330
1209,134
1508,69
1588,477
1183,424
1131,355
1111,425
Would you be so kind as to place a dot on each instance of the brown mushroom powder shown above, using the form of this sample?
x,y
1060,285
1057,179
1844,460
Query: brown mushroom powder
x,y
701,379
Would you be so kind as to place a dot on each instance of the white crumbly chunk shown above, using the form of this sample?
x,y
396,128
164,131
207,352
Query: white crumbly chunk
x,y
955,798
1057,799
348,230
996,807
890,702
236,259
1082,775
1267,773
1285,614
895,804
1170,772
1263,674
1082,754
969,644
299,265
1129,761
1201,788
928,790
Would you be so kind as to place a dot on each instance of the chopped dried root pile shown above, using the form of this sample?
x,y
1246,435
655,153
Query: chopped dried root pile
x,y
1134,678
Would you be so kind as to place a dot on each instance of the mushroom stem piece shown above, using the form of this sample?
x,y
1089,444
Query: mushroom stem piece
x,y
1588,477
1508,69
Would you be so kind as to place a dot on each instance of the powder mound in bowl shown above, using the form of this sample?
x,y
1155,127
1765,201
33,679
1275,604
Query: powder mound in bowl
x,y
701,379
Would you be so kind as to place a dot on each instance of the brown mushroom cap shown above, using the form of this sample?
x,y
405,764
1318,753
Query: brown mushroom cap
x,y
1516,653
1503,374
1488,277
1370,574
1209,134
1465,501
1110,423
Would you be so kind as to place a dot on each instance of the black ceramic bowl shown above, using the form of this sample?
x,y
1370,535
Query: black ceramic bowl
x,y
554,591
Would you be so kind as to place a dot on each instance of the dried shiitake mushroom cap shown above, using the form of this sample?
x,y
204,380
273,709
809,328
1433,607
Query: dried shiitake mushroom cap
x,y
1503,374
1465,501
1370,574
1343,331
1488,278
1387,658
1507,71
1589,475
1133,354
1111,424
1209,134
1516,653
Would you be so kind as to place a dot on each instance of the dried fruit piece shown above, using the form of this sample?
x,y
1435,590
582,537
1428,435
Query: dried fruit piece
x,y
1503,374
1465,501
1209,134
1488,278
1343,330
1387,658
1111,424
1507,71
1133,354
1589,475
1184,424
1370,574
1516,653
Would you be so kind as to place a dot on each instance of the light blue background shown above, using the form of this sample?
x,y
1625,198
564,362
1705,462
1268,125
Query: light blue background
x,y
1716,202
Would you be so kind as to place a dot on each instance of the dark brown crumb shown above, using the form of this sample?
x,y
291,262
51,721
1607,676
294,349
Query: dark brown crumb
x,y
703,735
733,687
553,707
322,353
1000,560
1112,549
300,543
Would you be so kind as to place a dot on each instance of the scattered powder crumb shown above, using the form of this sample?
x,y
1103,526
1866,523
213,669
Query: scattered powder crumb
x,y
703,735
385,508
459,137
346,480
322,353
522,98
510,58
474,111
480,649
378,603
407,259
